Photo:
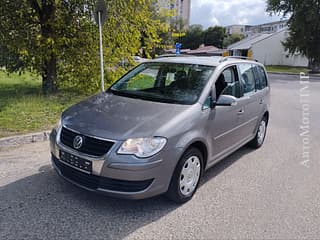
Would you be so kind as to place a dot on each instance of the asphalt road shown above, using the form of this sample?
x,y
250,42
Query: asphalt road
x,y
270,193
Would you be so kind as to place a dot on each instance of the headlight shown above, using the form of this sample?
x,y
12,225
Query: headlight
x,y
142,147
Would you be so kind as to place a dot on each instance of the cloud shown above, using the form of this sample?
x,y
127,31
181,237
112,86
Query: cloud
x,y
221,12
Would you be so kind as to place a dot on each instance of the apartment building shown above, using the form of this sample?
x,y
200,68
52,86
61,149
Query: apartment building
x,y
237,29
182,9
271,27
250,30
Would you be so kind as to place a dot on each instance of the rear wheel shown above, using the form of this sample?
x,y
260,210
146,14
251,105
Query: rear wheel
x,y
186,177
258,141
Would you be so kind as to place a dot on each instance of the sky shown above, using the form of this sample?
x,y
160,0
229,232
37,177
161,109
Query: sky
x,y
228,12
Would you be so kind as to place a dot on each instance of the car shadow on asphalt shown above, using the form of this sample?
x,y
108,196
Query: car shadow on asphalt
x,y
224,164
45,206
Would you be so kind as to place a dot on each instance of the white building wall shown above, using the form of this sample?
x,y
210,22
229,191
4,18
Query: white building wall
x,y
270,51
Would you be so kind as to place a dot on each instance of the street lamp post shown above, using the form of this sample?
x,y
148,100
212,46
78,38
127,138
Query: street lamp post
x,y
101,52
100,17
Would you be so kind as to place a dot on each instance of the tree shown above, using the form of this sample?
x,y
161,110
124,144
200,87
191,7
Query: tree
x,y
59,39
304,27
166,17
233,38
214,36
193,38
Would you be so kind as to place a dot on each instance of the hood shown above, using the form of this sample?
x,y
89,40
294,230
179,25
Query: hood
x,y
118,118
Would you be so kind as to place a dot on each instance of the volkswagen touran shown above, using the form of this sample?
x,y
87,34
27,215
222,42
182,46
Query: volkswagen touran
x,y
161,126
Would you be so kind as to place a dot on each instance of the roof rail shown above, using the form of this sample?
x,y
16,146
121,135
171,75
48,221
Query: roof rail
x,y
173,55
237,57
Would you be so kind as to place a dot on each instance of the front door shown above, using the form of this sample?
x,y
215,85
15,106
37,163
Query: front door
x,y
226,122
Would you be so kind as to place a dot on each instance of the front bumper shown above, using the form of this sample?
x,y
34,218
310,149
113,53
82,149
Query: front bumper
x,y
118,175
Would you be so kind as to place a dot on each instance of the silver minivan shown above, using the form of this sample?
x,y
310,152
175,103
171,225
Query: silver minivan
x,y
159,127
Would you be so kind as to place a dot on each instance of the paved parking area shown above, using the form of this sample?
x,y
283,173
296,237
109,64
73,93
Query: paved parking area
x,y
270,193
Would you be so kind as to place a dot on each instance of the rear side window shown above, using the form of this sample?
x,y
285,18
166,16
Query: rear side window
x,y
247,78
262,77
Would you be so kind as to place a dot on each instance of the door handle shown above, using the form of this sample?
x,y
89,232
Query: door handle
x,y
241,111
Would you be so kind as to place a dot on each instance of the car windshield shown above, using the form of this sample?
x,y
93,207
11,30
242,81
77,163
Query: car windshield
x,y
164,82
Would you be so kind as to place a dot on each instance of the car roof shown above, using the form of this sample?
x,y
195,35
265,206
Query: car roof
x,y
208,61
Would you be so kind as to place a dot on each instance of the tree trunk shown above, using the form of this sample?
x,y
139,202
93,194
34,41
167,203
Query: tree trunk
x,y
49,76
315,66
49,68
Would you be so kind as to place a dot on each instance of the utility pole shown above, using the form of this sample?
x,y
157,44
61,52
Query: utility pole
x,y
100,15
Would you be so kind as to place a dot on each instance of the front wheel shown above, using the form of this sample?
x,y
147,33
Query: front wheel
x,y
258,141
186,177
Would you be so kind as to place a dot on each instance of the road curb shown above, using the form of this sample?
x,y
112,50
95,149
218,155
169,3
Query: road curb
x,y
24,139
295,74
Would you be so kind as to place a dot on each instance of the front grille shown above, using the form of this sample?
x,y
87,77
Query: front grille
x,y
90,146
94,182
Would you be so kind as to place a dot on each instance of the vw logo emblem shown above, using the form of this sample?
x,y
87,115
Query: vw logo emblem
x,y
77,142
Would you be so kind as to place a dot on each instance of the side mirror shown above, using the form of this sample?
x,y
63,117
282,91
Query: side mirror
x,y
225,100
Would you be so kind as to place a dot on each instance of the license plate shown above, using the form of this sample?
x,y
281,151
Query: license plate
x,y
76,162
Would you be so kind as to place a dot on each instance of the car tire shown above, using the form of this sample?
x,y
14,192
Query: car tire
x,y
258,140
186,176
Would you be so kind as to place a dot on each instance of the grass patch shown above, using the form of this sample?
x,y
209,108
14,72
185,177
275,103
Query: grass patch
x,y
286,69
23,109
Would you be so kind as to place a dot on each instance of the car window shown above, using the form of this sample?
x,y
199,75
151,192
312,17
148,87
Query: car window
x,y
176,83
180,74
257,77
228,84
228,75
143,80
247,78
262,77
